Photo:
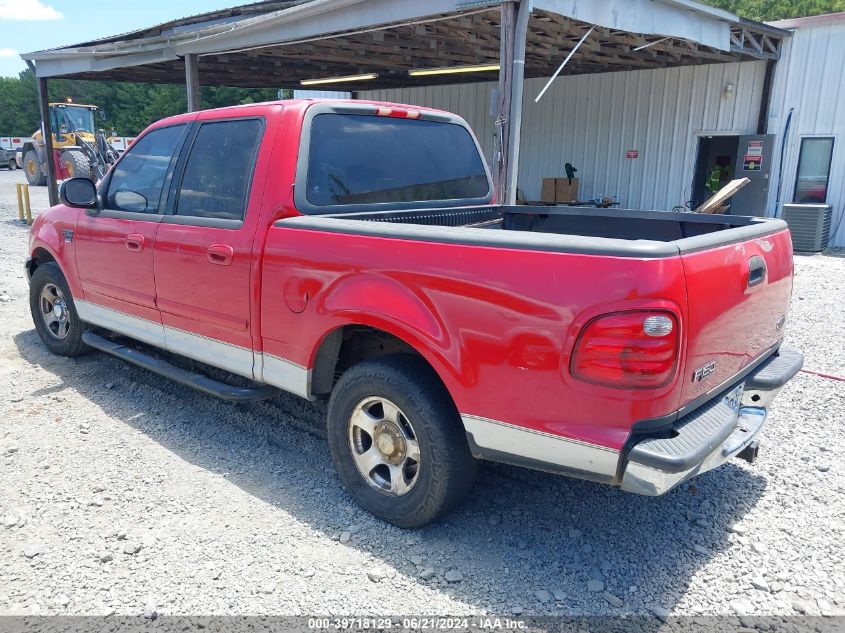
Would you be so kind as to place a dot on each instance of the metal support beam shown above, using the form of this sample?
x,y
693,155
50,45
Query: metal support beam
x,y
47,135
192,81
503,97
516,94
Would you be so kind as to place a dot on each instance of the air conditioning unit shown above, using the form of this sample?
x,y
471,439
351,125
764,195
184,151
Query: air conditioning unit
x,y
809,225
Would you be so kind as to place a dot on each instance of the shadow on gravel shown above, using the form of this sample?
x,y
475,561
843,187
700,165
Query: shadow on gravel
x,y
16,223
520,533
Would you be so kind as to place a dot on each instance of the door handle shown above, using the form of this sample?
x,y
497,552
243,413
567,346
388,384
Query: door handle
x,y
135,242
756,270
220,254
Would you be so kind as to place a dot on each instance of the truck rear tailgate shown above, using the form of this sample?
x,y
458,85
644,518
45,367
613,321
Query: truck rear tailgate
x,y
737,298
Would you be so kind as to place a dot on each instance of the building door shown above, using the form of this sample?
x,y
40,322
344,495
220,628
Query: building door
x,y
754,162
714,166
724,158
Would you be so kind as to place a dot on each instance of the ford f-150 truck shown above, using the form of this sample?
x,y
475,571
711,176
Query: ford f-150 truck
x,y
355,252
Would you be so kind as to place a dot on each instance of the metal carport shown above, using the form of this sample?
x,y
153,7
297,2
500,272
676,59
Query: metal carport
x,y
280,44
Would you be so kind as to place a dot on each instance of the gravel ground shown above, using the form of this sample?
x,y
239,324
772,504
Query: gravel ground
x,y
123,493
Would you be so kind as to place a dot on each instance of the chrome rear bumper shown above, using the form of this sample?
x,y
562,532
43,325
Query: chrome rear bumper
x,y
712,434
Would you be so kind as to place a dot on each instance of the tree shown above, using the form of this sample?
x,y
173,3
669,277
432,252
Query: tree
x,y
127,107
768,10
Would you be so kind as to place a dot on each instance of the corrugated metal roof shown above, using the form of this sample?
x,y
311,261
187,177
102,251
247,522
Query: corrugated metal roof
x,y
190,23
812,20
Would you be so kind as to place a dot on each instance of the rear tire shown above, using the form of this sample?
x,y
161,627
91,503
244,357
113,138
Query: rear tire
x,y
13,164
376,465
77,164
54,313
35,172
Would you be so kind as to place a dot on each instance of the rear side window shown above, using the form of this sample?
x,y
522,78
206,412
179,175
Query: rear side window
x,y
136,182
218,173
362,160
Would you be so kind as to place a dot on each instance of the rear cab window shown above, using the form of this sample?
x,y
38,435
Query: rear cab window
x,y
216,178
352,160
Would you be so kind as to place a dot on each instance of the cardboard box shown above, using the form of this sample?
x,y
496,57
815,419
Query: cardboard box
x,y
566,191
559,190
547,191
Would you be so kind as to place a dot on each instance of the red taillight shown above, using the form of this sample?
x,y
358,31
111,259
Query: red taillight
x,y
637,349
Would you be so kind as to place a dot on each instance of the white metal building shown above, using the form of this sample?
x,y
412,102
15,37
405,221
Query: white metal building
x,y
810,83
593,121
598,122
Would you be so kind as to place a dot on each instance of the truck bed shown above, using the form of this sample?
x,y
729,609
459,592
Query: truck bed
x,y
618,232
737,268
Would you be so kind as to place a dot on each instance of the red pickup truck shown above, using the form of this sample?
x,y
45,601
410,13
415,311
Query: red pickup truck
x,y
353,251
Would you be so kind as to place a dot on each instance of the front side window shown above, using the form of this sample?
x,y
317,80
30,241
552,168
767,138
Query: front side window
x,y
136,182
360,160
219,170
813,170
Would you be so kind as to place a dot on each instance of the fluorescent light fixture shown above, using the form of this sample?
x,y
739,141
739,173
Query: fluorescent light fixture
x,y
453,70
337,80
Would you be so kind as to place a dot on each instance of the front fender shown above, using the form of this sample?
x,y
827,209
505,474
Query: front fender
x,y
48,234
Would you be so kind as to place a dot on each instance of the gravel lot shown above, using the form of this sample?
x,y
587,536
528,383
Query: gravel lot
x,y
123,493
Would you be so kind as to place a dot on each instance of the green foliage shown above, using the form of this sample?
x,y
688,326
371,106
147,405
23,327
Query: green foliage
x,y
128,108
767,10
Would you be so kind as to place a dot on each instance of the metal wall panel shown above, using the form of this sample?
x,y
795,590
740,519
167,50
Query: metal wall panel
x,y
591,121
810,79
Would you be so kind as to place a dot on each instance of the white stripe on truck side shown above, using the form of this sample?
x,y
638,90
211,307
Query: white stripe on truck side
x,y
534,445
270,369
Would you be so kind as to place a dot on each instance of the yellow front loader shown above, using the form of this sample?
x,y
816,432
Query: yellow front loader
x,y
79,149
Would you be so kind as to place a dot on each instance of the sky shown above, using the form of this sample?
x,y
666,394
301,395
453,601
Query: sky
x,y
32,25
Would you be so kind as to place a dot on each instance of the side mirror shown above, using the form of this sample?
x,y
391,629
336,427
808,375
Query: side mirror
x,y
78,192
131,201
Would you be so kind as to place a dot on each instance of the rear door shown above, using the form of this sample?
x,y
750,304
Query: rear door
x,y
738,296
203,250
114,247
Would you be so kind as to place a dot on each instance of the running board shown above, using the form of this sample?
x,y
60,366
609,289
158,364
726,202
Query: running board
x,y
198,381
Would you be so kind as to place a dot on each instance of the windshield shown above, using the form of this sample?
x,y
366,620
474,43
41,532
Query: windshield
x,y
74,119
359,160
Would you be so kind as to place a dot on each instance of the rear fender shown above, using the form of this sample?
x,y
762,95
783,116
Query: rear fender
x,y
386,304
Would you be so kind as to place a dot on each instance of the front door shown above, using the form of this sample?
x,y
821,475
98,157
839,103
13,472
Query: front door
x,y
115,245
203,251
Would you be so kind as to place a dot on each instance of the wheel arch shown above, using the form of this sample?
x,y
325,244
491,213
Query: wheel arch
x,y
365,338
38,148
43,252
41,255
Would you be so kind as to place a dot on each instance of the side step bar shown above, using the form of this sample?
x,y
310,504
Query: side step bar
x,y
168,370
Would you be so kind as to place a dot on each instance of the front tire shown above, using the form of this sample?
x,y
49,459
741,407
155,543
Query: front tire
x,y
397,441
54,313
13,164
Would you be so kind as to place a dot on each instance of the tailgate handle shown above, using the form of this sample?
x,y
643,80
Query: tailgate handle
x,y
756,270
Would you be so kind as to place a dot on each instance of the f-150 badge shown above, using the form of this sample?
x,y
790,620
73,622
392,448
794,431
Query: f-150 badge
x,y
702,372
